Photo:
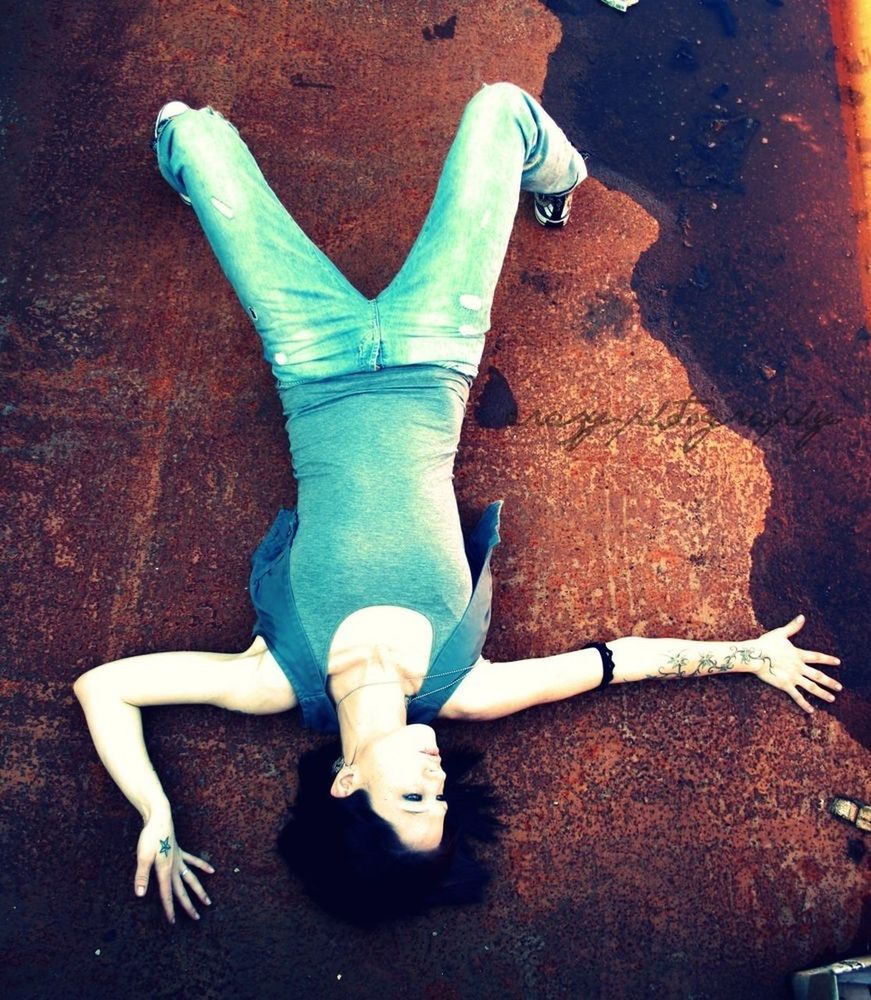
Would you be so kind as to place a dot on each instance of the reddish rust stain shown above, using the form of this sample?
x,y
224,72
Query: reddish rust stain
x,y
146,455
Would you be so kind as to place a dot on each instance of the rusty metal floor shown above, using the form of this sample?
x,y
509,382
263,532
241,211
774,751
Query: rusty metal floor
x,y
698,330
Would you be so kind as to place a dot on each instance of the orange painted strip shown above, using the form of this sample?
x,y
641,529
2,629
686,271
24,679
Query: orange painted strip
x,y
851,31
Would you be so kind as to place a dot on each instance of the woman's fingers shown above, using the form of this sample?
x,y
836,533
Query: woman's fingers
x,y
192,859
173,869
174,880
164,878
813,688
192,882
801,701
140,879
793,667
790,628
183,898
811,656
824,679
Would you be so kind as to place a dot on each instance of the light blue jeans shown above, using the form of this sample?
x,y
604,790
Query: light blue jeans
x,y
313,323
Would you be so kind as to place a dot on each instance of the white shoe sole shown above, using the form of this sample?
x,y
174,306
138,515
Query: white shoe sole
x,y
171,110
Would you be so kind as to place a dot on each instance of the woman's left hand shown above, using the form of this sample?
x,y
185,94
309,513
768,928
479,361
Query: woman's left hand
x,y
789,669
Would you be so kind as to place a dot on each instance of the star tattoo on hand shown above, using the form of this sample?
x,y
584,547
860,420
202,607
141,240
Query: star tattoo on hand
x,y
164,846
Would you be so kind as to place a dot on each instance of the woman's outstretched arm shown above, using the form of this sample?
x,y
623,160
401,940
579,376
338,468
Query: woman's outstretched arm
x,y
492,690
112,695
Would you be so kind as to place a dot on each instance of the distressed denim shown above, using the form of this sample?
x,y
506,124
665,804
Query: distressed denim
x,y
313,323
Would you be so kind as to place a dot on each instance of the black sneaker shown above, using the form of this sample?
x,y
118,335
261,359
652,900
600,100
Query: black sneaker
x,y
552,210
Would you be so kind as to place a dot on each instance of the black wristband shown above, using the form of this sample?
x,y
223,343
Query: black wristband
x,y
607,662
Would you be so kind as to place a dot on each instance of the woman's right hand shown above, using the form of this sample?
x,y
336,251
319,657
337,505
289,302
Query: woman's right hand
x,y
173,867
789,669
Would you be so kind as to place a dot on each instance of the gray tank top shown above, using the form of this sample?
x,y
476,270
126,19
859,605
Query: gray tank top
x,y
373,455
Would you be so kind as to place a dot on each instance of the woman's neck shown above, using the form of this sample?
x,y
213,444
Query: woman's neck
x,y
370,700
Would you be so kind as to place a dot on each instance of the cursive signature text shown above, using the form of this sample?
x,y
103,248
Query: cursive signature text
x,y
690,416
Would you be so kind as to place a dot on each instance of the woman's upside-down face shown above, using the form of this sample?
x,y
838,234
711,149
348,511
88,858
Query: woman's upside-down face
x,y
402,774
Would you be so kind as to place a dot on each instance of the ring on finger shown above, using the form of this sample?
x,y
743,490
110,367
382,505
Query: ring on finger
x,y
185,871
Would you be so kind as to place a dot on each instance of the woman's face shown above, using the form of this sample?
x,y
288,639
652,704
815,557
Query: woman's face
x,y
402,774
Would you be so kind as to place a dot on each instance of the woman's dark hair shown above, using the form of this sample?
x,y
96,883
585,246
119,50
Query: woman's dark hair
x,y
352,863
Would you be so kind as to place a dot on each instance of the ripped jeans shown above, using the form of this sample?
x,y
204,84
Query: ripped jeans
x,y
313,323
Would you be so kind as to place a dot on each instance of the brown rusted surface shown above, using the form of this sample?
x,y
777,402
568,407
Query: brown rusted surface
x,y
664,840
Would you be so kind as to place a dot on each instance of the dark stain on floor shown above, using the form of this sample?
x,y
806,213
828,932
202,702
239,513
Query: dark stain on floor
x,y
497,406
753,283
440,32
608,315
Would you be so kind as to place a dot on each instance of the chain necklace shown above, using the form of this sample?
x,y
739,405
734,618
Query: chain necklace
x,y
340,761
462,671
409,698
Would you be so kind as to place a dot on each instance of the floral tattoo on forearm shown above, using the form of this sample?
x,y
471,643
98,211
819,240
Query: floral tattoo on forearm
x,y
679,665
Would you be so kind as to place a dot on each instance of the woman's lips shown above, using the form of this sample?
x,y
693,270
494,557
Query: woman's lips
x,y
432,753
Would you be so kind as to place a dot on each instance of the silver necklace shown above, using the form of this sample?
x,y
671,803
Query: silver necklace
x,y
409,698
442,673
340,761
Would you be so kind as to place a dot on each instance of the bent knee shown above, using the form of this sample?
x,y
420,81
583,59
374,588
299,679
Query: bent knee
x,y
500,95
200,125
498,105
